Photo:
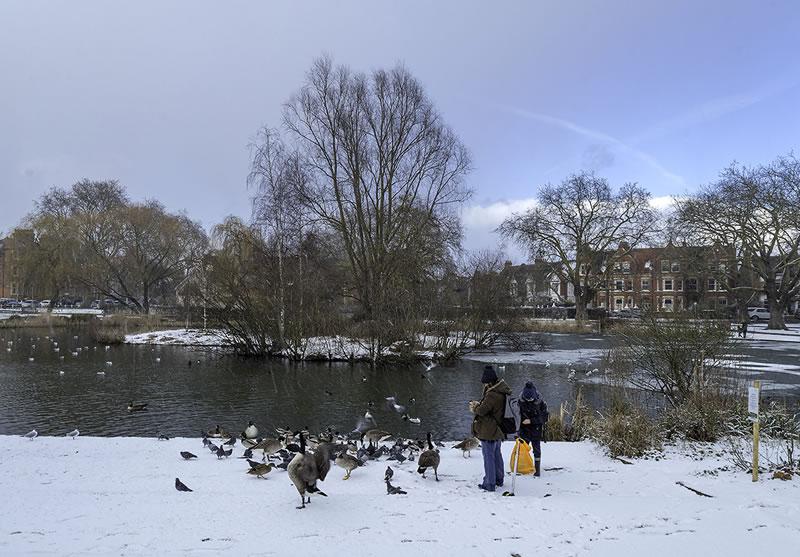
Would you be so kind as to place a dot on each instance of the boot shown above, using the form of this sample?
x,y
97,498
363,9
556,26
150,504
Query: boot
x,y
537,462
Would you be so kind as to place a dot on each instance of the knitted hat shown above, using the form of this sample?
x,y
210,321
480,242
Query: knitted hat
x,y
489,376
529,392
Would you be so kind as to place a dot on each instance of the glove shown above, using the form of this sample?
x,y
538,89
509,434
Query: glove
x,y
473,404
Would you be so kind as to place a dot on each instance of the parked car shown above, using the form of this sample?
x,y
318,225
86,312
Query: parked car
x,y
44,303
757,314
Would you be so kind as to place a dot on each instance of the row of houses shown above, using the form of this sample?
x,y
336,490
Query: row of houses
x,y
12,248
668,278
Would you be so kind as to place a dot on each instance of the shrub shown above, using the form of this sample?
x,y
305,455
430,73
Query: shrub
x,y
779,440
626,431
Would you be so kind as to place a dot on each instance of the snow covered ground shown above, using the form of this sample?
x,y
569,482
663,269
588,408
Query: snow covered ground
x,y
179,337
116,496
759,332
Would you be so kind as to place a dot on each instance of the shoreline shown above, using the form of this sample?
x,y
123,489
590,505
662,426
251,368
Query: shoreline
x,y
116,496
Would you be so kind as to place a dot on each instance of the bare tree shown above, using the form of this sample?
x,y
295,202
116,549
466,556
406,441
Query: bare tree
x,y
753,211
382,170
583,228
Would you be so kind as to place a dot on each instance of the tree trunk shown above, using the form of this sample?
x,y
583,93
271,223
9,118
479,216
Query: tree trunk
x,y
776,320
146,298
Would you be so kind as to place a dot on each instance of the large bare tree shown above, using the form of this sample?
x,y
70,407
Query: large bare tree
x,y
382,171
583,228
754,212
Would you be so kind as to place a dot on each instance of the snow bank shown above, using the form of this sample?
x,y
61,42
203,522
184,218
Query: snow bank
x,y
179,337
111,496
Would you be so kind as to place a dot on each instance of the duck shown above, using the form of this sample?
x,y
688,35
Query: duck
x,y
347,462
429,459
217,432
408,418
136,406
260,469
250,432
467,445
304,474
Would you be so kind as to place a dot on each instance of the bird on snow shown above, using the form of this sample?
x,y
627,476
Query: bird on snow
x,y
347,462
163,437
467,445
304,474
250,432
222,452
217,432
392,490
136,406
180,486
260,469
74,433
429,459
230,442
31,434
388,474
187,455
376,436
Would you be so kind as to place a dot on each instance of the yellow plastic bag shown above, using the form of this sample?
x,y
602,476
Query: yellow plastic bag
x,y
525,464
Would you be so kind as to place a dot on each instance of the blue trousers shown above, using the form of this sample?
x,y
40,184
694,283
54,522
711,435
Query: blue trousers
x,y
493,469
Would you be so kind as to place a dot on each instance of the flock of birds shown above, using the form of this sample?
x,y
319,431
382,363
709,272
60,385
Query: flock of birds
x,y
307,458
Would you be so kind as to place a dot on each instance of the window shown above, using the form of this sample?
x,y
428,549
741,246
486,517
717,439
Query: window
x,y
618,302
619,285
645,284
722,301
691,284
676,267
712,284
678,285
667,285
626,266
722,268
668,304
665,266
628,284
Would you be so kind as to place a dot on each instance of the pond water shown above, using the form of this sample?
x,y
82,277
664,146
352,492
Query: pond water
x,y
191,390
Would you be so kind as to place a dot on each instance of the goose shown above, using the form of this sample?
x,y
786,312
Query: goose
x,y
303,472
180,486
74,433
347,462
408,418
269,446
429,459
376,436
250,432
136,406
187,455
31,434
467,445
217,432
260,469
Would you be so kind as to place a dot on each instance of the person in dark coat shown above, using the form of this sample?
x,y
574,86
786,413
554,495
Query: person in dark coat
x,y
533,419
486,427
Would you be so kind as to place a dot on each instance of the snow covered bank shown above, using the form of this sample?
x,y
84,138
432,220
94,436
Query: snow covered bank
x,y
179,337
111,496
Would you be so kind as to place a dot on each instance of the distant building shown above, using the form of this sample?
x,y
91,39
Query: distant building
x,y
11,249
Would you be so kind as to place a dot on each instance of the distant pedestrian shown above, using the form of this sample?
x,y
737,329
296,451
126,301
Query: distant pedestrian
x,y
486,427
744,328
534,414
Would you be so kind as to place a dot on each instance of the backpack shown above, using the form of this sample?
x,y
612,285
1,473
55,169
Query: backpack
x,y
511,419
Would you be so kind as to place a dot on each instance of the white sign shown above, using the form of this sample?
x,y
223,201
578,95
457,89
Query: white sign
x,y
752,400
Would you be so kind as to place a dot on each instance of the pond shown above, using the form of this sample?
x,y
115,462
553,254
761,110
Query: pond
x,y
191,390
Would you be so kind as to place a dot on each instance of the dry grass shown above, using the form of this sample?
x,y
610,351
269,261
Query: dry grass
x,y
558,326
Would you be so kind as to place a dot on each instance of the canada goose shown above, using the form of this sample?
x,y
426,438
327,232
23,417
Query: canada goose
x,y
467,445
137,407
376,436
429,459
269,446
217,432
74,433
260,470
32,434
348,463
250,432
187,455
180,486
303,472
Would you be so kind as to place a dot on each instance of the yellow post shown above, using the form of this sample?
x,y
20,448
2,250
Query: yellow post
x,y
756,425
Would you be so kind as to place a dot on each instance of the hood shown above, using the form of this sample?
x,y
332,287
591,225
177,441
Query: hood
x,y
501,387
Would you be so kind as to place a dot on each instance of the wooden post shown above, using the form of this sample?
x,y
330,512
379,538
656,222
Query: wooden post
x,y
752,407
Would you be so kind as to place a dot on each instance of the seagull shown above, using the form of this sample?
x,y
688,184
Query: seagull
x,y
547,363
187,455
502,367
397,407
101,373
430,366
30,359
61,372
571,374
588,373
74,433
408,418
158,360
109,364
363,379
31,434
180,486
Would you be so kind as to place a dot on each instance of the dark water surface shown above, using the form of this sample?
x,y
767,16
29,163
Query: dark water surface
x,y
221,389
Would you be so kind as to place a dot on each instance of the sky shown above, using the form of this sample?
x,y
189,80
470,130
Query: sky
x,y
166,96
